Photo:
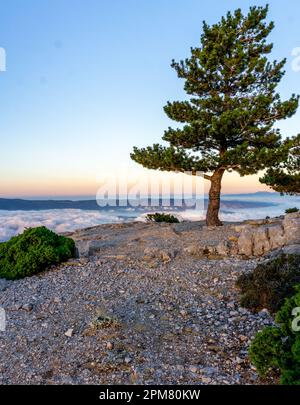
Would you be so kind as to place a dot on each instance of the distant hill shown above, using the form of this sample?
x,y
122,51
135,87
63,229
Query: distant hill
x,y
30,205
9,204
257,194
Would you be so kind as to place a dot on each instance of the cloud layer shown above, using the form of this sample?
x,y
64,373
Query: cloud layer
x,y
14,222
63,220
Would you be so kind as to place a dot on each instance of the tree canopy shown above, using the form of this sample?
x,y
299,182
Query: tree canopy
x,y
227,121
285,176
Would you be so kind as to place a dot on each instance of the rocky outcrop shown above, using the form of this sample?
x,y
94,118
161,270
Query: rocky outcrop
x,y
257,238
160,243
291,226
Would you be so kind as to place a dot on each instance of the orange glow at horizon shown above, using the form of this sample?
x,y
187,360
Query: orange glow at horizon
x,y
88,185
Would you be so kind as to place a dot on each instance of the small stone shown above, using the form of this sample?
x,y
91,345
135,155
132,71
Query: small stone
x,y
183,313
209,370
69,333
128,360
243,338
233,313
206,380
83,260
109,346
27,307
165,257
193,369
263,312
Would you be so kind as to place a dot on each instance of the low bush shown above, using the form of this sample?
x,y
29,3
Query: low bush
x,y
279,347
158,217
32,252
291,210
270,283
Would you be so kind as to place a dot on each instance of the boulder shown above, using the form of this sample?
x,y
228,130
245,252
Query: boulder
x,y
261,242
276,236
194,250
165,256
245,241
83,248
223,248
291,224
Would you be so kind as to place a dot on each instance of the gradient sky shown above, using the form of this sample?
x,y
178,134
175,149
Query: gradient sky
x,y
87,80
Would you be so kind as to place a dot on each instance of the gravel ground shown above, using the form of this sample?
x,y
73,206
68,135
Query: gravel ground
x,y
128,319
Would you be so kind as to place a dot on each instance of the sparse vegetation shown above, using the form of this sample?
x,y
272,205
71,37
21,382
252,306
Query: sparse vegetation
x,y
279,347
33,252
270,283
158,217
291,210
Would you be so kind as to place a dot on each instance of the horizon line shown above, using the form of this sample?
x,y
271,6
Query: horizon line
x,y
91,197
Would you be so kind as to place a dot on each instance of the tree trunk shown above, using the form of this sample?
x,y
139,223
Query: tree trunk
x,y
212,215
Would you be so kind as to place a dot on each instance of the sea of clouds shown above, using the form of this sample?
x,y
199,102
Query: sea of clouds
x,y
14,222
64,220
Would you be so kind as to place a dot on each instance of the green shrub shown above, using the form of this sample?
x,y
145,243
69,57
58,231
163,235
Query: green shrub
x,y
157,217
32,252
279,347
291,210
270,283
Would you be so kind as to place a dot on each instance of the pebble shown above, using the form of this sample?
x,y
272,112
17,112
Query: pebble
x,y
206,380
109,346
69,333
208,370
27,307
233,313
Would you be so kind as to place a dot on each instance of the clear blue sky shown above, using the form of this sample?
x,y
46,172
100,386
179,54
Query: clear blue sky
x,y
87,80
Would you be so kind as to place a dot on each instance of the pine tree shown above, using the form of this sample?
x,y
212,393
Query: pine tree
x,y
227,121
284,177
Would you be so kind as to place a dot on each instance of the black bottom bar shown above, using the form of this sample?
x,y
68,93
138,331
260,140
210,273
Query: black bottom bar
x,y
136,394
